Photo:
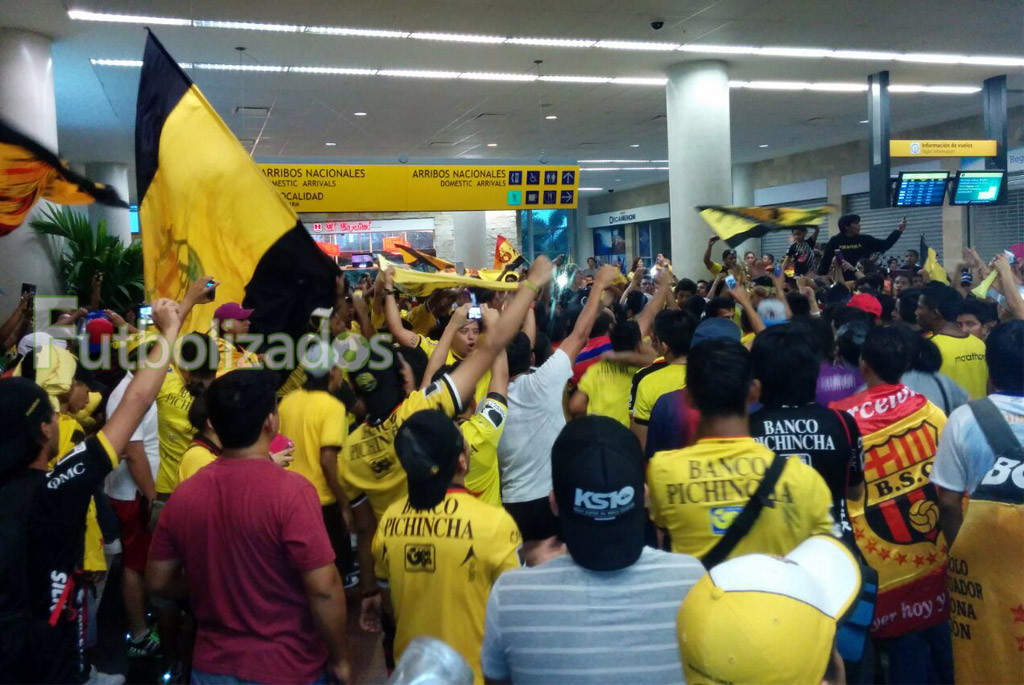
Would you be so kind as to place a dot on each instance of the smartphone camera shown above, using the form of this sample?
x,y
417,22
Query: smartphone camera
x,y
213,292
145,314
475,313
730,282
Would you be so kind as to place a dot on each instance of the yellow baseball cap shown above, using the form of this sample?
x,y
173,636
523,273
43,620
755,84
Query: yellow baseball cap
x,y
768,619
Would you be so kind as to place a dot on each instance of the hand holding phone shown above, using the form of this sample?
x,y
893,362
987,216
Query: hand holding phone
x,y
475,313
730,281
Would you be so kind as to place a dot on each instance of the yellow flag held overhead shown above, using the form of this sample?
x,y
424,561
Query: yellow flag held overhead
x,y
205,208
736,224
421,284
28,172
414,257
931,264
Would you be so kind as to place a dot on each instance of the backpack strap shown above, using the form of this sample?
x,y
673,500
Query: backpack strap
x,y
746,519
996,430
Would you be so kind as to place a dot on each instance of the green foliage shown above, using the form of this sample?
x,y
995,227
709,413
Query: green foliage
x,y
82,253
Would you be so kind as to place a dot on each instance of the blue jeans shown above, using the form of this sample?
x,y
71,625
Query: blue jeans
x,y
925,656
203,678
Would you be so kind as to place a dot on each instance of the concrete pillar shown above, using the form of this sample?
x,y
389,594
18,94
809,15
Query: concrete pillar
x,y
27,103
743,196
470,232
834,197
699,155
584,246
118,220
954,222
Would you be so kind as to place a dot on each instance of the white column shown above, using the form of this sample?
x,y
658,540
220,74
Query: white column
x,y
114,175
743,196
699,156
28,104
470,233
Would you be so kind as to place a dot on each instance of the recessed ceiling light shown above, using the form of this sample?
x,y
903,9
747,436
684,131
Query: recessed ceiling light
x,y
617,180
635,145
551,116
863,121
359,114
330,144
492,145
765,145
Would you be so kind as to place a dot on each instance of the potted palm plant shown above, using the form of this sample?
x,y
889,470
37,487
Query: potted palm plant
x,y
79,253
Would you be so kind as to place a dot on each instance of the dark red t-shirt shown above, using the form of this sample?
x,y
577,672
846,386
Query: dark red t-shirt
x,y
245,530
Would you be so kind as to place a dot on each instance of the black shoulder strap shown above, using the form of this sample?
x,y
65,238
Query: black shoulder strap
x,y
746,519
996,430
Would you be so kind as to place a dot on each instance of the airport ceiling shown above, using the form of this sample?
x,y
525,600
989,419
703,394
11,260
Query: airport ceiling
x,y
457,115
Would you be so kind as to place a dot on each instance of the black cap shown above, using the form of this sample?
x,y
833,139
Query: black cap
x,y
597,474
428,446
381,391
24,406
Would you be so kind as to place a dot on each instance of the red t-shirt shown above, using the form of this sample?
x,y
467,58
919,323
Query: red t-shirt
x,y
245,530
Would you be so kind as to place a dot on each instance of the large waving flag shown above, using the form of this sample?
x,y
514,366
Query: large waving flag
x,y
736,224
421,283
931,266
28,172
205,208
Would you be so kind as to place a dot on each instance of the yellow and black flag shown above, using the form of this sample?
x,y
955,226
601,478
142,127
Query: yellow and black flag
x,y
736,224
205,208
415,258
28,172
931,265
506,256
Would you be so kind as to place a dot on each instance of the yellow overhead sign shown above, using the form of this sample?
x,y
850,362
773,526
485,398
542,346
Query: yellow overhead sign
x,y
409,188
942,148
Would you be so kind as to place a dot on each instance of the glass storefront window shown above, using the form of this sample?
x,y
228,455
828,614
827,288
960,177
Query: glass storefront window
x,y
546,231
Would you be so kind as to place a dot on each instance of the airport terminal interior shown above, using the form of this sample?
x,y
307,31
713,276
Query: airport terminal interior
x,y
660,341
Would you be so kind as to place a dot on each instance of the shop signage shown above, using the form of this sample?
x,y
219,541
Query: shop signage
x,y
942,148
628,216
374,226
411,188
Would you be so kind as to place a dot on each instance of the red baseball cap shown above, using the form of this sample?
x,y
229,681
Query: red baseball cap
x,y
866,303
233,310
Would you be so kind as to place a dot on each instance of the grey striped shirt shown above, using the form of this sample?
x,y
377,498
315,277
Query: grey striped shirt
x,y
560,622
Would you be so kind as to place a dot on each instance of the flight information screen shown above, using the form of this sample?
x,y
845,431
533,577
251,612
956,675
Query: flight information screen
x,y
921,188
978,187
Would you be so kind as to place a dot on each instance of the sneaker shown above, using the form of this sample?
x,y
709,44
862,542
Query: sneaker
x,y
146,646
99,678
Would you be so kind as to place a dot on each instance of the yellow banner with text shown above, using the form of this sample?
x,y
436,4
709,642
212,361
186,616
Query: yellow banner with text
x,y
411,188
942,148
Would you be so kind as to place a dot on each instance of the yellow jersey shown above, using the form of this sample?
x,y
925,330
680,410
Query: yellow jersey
x,y
422,320
607,386
482,432
173,429
963,360
196,457
696,492
368,466
440,565
671,376
313,419
428,344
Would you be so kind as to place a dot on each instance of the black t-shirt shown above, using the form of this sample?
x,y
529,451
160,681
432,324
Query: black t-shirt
x,y
52,506
826,439
802,255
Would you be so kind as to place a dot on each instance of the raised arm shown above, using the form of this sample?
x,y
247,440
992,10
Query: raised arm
x,y
499,375
145,384
391,316
440,354
530,327
707,252
362,315
575,341
1014,302
743,299
501,328
780,292
662,295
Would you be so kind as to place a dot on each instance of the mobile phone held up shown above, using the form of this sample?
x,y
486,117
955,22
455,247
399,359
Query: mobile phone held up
x,y
145,314
212,285
475,313
730,281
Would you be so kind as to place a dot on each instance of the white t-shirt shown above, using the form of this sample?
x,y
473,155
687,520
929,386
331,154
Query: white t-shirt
x,y
120,484
964,455
535,418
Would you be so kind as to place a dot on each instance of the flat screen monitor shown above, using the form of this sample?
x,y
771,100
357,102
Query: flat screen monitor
x,y
921,189
978,187
362,261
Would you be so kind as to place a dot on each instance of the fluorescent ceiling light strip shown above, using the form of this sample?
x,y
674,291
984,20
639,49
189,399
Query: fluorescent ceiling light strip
x,y
364,33
419,73
575,79
498,77
487,76
82,15
247,26
620,168
614,161
552,42
588,190
581,43
456,37
636,45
